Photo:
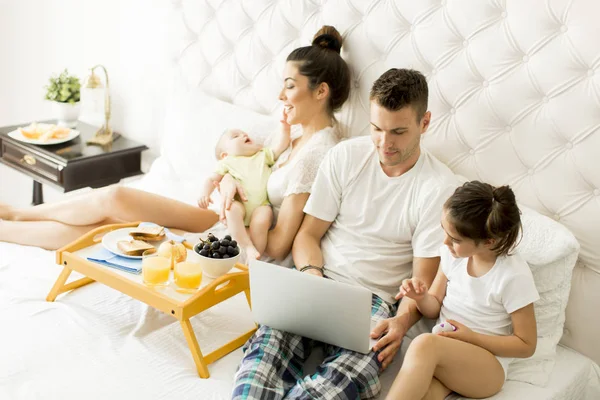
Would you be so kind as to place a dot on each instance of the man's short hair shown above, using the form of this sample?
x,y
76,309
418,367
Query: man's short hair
x,y
398,88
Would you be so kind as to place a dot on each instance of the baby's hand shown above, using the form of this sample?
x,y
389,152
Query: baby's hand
x,y
204,201
413,288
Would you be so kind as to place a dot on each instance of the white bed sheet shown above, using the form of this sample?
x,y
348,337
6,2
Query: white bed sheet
x,y
97,343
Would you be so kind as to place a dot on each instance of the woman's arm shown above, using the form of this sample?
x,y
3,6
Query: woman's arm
x,y
521,344
291,214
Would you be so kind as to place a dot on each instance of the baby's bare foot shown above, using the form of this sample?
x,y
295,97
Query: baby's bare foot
x,y
251,253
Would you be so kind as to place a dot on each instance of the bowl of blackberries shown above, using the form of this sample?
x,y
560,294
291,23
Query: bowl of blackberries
x,y
217,256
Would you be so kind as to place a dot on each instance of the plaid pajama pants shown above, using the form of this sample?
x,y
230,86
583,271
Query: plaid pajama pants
x,y
272,367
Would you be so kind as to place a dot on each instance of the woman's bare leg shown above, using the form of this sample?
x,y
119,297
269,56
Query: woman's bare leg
x,y
50,235
462,367
118,203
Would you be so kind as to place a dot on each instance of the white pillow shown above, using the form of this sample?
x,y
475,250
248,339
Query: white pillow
x,y
193,123
551,251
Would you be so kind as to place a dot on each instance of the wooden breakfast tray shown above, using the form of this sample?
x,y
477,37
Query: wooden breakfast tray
x,y
180,306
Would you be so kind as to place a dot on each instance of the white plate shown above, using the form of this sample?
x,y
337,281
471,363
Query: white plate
x,y
18,136
110,240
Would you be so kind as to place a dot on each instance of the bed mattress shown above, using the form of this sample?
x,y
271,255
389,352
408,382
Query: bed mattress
x,y
97,343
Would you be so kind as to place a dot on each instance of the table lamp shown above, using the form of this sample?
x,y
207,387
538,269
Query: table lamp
x,y
104,135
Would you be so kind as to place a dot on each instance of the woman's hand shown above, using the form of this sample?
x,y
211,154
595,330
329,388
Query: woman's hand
x,y
285,126
229,187
413,288
462,332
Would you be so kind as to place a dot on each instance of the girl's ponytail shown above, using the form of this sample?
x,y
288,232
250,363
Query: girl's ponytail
x,y
479,211
504,220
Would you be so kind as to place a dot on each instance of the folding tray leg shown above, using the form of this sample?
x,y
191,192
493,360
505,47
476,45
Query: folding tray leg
x,y
60,287
195,348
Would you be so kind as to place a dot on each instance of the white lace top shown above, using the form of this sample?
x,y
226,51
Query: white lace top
x,y
298,175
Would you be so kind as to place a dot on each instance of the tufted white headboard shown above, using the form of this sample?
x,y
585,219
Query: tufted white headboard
x,y
514,92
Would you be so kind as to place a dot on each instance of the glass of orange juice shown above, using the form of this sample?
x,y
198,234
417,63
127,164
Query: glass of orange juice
x,y
188,276
155,269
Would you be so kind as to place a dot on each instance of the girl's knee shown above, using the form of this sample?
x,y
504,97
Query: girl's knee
x,y
423,345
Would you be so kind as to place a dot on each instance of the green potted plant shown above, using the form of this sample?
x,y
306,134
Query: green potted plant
x,y
64,91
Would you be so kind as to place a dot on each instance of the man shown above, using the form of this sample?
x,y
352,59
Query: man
x,y
372,219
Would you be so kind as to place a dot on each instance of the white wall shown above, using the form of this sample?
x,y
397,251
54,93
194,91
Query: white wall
x,y
41,37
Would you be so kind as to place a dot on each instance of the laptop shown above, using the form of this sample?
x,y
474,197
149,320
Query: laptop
x,y
318,308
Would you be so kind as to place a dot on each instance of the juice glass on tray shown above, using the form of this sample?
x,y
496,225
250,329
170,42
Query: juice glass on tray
x,y
188,276
155,269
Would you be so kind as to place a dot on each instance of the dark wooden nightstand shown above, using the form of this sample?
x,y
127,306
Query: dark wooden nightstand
x,y
71,165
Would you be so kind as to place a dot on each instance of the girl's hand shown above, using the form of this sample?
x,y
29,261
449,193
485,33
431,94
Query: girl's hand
x,y
462,332
413,288
204,201
229,187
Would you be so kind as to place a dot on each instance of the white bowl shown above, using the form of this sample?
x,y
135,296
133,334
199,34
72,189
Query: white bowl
x,y
215,267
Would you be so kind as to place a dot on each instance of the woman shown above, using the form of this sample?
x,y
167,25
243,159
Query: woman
x,y
316,83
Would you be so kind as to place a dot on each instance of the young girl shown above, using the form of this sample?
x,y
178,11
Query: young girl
x,y
484,292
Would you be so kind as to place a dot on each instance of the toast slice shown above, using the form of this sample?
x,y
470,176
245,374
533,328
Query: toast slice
x,y
149,238
133,247
148,232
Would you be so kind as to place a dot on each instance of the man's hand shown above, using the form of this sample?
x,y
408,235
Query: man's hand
x,y
413,288
204,201
393,330
462,332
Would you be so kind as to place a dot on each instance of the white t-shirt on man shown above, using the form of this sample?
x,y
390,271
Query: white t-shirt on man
x,y
379,222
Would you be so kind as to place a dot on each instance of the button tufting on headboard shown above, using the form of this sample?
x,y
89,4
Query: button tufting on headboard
x,y
513,89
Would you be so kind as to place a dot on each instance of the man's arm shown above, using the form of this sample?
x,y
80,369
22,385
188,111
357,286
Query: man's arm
x,y
307,245
396,327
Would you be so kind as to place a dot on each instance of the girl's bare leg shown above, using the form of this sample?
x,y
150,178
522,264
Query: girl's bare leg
x,y
436,391
49,235
462,367
117,203
262,217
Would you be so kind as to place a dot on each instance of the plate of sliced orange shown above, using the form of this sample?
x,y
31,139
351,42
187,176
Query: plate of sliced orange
x,y
44,134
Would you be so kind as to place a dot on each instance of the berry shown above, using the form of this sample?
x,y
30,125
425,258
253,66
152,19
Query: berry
x,y
222,250
225,242
216,255
215,245
212,238
228,237
233,244
204,253
206,247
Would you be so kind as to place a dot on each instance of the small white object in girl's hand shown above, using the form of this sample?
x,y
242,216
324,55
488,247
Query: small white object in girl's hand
x,y
443,327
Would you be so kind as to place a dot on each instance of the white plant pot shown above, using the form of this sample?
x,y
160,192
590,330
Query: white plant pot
x,y
66,114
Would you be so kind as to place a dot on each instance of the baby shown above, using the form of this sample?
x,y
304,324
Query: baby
x,y
250,164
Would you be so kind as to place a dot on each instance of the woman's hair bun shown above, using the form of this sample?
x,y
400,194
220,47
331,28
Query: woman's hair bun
x,y
328,38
